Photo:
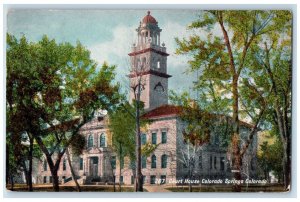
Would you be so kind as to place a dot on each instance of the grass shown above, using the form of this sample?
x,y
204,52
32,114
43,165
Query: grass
x,y
84,188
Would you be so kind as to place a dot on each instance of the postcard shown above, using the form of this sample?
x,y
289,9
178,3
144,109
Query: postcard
x,y
148,100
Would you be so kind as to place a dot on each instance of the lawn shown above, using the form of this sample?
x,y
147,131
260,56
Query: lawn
x,y
84,188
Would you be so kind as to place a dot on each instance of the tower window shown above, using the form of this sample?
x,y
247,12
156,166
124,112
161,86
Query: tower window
x,y
158,64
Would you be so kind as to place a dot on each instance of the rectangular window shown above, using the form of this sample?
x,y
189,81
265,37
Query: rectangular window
x,y
50,179
64,164
163,179
121,179
144,179
113,162
154,138
164,137
143,139
132,179
152,179
215,162
81,164
45,165
144,162
200,161
45,179
222,163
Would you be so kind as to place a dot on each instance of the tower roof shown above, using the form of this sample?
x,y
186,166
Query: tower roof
x,y
149,19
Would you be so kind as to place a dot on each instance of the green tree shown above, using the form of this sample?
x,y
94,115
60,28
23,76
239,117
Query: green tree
x,y
223,60
55,89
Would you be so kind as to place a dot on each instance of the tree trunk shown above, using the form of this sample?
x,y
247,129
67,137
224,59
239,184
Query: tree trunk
x,y
138,177
72,171
235,140
12,183
7,164
55,181
30,156
236,157
120,167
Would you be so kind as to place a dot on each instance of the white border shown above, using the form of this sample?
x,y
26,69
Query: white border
x,y
163,4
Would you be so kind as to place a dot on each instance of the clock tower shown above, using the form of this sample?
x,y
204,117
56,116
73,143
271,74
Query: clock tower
x,y
148,60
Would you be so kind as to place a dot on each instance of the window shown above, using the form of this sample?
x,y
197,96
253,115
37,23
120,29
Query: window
x,y
143,139
153,161
45,179
222,163
90,141
154,138
132,179
102,140
45,165
164,137
144,179
152,179
64,164
215,162
164,161
50,179
113,162
163,179
121,179
81,164
144,161
200,161
158,64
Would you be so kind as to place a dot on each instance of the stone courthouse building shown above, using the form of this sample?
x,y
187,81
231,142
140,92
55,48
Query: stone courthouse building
x,y
98,163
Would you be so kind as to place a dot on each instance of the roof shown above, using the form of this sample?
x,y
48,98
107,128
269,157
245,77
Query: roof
x,y
149,19
163,111
173,111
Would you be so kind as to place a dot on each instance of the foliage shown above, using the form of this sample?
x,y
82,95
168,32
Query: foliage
x,y
270,159
52,90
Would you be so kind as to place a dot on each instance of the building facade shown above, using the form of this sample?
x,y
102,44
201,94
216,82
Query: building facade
x,y
168,163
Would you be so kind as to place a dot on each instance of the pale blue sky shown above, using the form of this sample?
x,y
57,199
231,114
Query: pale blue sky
x,y
108,34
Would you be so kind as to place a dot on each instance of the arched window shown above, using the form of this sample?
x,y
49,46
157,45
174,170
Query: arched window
x,y
153,161
91,140
164,161
158,64
102,140
143,139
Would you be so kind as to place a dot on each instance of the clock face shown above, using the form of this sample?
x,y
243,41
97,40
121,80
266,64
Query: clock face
x,y
159,88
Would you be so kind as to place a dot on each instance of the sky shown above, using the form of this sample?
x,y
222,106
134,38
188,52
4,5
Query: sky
x,y
108,34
